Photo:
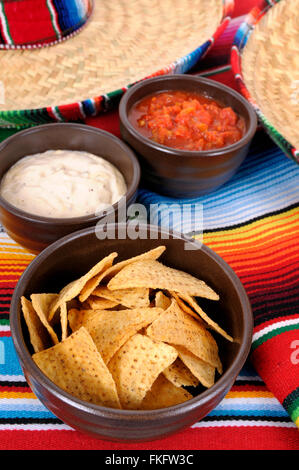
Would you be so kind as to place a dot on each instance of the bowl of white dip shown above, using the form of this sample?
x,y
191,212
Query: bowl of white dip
x,y
59,178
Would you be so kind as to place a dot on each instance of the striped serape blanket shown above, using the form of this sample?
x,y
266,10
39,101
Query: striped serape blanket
x,y
253,223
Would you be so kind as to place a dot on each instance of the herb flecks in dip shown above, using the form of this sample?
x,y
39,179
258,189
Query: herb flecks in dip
x,y
186,120
62,184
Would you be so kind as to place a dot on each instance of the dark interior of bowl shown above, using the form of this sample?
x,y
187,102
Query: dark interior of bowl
x,y
72,256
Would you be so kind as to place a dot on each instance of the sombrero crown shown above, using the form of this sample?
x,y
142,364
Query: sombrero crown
x,y
37,23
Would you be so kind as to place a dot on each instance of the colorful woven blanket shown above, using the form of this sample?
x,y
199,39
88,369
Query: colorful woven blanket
x,y
253,223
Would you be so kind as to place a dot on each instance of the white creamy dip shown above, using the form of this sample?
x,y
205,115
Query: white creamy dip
x,y
62,183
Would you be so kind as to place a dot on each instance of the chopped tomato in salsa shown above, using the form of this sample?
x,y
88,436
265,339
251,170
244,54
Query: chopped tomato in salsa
x,y
186,120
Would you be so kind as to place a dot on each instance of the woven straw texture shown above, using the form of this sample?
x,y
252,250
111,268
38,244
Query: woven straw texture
x,y
123,42
270,68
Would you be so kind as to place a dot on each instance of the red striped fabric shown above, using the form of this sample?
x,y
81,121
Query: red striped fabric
x,y
247,438
27,23
277,355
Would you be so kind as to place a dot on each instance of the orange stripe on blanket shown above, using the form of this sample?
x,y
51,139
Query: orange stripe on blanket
x,y
235,238
250,394
267,246
12,395
282,218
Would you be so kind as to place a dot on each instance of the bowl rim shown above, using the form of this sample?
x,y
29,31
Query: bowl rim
x,y
245,139
131,189
221,385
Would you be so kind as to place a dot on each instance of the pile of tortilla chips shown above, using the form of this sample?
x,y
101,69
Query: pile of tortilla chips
x,y
127,335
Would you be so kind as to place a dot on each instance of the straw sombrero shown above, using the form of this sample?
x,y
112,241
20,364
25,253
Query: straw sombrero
x,y
265,61
65,59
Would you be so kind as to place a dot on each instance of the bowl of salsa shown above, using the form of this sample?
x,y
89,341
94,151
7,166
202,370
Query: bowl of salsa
x,y
190,133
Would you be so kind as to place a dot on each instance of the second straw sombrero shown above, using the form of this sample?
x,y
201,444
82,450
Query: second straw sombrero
x,y
65,59
265,62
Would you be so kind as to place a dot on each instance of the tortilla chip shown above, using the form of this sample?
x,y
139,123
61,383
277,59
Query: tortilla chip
x,y
112,270
136,366
41,304
163,394
130,298
79,317
63,320
71,290
179,375
111,329
76,366
99,303
161,300
187,309
192,302
174,326
153,254
203,371
39,336
90,286
155,275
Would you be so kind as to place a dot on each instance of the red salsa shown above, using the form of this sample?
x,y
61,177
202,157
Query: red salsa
x,y
186,120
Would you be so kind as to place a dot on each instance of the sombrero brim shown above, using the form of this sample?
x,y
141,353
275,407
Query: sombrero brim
x,y
264,61
123,43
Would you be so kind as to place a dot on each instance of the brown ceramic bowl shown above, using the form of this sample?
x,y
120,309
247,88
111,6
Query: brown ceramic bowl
x,y
179,173
35,232
72,256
